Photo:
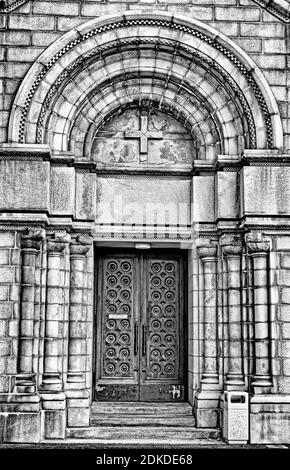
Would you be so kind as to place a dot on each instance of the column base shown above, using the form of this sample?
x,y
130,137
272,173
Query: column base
x,y
78,408
270,419
51,382
53,415
206,408
20,418
75,381
25,383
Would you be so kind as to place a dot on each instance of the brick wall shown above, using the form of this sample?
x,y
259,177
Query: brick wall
x,y
9,307
28,30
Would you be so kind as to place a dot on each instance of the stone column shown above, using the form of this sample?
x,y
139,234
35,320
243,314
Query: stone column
x,y
258,249
206,404
30,247
232,252
53,399
77,396
208,254
54,314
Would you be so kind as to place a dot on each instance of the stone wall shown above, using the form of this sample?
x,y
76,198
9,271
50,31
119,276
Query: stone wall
x,y
29,29
9,308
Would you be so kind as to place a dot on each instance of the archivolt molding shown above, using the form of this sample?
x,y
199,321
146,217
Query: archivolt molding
x,y
9,5
98,40
278,8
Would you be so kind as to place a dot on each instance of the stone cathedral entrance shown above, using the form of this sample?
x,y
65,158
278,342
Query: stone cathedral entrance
x,y
140,326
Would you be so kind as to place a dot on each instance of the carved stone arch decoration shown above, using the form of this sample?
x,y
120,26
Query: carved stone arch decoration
x,y
181,67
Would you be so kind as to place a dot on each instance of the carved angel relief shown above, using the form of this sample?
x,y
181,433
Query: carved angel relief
x,y
139,137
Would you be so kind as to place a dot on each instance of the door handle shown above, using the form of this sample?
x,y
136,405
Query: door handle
x,y
143,340
136,338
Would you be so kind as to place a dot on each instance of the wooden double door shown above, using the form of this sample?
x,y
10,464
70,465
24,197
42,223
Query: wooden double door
x,y
140,344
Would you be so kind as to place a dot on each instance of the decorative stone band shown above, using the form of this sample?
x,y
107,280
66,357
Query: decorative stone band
x,y
208,255
77,318
258,249
279,8
53,346
9,5
30,247
232,251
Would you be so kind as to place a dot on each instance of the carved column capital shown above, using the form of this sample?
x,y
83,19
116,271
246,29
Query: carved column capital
x,y
33,239
207,251
58,243
232,245
80,245
256,243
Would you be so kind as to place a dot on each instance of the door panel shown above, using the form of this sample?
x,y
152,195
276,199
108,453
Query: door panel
x,y
118,376
162,360
140,327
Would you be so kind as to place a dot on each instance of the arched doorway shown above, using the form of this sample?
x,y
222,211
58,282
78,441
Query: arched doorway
x,y
140,73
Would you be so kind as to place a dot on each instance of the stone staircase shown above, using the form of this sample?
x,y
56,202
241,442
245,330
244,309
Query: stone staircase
x,y
133,423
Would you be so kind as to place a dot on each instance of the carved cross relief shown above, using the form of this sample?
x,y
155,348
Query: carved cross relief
x,y
143,135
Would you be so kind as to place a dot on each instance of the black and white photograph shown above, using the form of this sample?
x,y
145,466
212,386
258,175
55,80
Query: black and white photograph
x,y
144,230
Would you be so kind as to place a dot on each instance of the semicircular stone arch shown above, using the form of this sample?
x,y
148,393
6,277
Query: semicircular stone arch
x,y
181,67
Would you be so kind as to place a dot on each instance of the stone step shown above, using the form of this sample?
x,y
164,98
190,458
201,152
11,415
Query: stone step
x,y
133,433
141,408
138,420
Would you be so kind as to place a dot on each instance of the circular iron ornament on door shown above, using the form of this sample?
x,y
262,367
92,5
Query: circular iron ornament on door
x,y
169,354
156,325
124,368
112,294
124,338
156,369
110,368
110,338
125,266
155,281
156,268
155,339
111,353
112,280
169,310
169,296
169,369
169,339
125,294
111,324
124,353
125,280
169,325
125,309
112,266
169,282
169,267
156,296
112,309
155,354
124,324
156,311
